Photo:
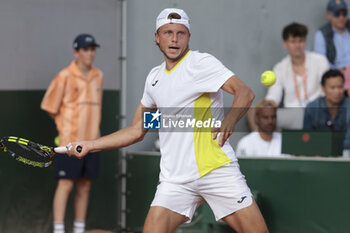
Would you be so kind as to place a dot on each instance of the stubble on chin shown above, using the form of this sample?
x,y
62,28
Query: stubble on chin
x,y
174,58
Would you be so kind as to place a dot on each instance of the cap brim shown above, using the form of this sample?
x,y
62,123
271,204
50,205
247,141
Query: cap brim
x,y
338,9
92,44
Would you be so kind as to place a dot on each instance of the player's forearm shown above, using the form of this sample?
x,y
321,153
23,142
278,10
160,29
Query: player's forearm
x,y
242,101
122,138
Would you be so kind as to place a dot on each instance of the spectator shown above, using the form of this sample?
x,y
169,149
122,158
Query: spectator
x,y
74,100
265,141
331,112
333,39
299,73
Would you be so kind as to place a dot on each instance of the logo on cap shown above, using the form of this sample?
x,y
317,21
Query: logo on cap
x,y
84,40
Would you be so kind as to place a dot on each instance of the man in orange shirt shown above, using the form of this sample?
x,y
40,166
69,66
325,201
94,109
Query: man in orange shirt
x,y
74,100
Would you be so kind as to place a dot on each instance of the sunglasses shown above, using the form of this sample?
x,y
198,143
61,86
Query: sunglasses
x,y
338,13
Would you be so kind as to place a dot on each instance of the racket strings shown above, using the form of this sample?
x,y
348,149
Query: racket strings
x,y
29,154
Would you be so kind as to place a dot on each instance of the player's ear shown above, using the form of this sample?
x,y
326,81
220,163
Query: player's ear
x,y
157,37
75,53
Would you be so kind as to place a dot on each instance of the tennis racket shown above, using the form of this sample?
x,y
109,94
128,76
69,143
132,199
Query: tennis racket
x,y
31,153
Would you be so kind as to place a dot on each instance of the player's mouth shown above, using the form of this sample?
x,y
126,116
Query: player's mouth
x,y
173,48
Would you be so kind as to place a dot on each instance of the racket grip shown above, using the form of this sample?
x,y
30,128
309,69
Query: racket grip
x,y
61,149
79,148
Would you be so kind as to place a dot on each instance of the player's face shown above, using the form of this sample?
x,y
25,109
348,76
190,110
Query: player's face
x,y
338,19
295,46
334,90
173,41
86,55
266,119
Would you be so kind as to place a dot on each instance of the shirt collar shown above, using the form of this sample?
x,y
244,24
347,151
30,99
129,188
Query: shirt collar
x,y
323,104
74,69
336,32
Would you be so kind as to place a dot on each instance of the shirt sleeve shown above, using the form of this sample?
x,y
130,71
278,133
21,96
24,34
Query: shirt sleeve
x,y
54,95
307,123
275,92
210,74
323,65
320,43
347,139
347,133
147,99
347,78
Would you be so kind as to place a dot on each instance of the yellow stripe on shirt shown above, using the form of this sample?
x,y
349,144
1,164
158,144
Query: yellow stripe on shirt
x,y
169,71
209,154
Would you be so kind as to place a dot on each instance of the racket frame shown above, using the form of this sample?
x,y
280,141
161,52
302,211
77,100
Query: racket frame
x,y
39,149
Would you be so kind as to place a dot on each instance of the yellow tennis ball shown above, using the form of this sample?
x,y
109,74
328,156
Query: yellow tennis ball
x,y
57,141
268,78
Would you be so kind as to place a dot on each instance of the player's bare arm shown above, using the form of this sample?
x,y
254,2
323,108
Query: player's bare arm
x,y
121,138
244,97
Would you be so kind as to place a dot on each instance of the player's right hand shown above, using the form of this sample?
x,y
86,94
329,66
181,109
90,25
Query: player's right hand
x,y
78,149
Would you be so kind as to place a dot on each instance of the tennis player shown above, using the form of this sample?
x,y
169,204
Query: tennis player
x,y
195,166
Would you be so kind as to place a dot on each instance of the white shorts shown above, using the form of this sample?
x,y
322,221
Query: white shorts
x,y
224,189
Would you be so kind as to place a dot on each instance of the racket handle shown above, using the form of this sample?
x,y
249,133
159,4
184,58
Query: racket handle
x,y
61,149
64,149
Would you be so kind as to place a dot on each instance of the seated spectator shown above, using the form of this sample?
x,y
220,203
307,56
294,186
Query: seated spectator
x,y
331,112
298,74
265,141
333,39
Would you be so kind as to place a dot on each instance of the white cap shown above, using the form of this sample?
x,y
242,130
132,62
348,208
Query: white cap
x,y
163,18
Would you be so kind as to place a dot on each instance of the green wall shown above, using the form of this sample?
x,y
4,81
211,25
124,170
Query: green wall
x,y
304,195
26,192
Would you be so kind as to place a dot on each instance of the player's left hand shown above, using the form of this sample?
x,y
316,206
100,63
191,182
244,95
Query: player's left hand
x,y
224,132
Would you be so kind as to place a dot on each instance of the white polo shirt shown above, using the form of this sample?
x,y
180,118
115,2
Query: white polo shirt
x,y
316,65
193,85
253,145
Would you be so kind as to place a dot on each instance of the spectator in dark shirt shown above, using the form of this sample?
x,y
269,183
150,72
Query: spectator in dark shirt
x,y
332,111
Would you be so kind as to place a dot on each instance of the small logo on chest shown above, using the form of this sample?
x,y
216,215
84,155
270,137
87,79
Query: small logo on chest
x,y
155,82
